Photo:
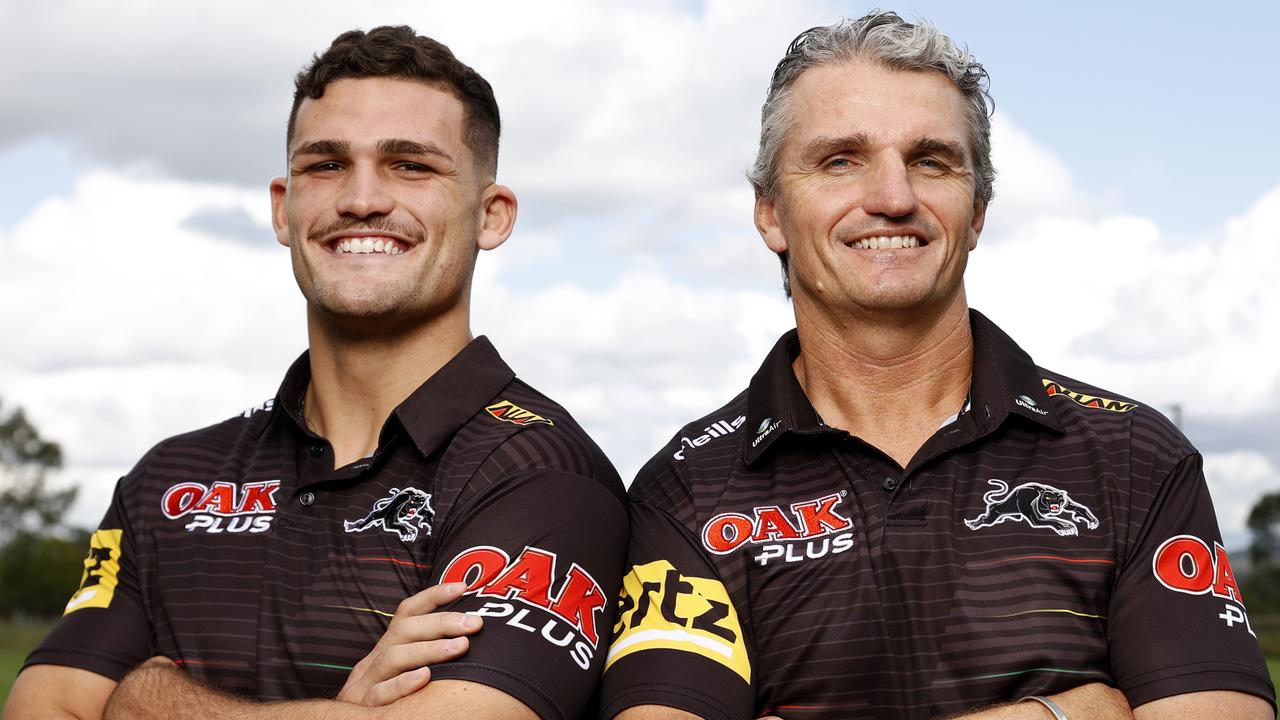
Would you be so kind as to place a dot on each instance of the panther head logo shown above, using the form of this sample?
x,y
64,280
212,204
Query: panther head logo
x,y
402,512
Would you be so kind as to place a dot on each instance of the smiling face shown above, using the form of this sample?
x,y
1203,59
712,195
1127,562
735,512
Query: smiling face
x,y
384,206
875,203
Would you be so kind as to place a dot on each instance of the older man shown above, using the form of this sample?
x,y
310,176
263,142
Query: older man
x,y
264,555
903,516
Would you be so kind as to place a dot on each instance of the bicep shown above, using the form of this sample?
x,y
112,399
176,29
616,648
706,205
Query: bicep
x,y
458,698
655,712
56,691
1215,704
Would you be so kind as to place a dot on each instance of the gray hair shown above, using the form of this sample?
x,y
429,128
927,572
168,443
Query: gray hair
x,y
886,38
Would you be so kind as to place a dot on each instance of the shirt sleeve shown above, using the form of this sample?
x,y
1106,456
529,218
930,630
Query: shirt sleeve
x,y
677,641
104,628
542,558
1177,622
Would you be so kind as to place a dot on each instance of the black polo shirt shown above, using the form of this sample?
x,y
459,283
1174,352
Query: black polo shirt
x,y
241,553
1052,535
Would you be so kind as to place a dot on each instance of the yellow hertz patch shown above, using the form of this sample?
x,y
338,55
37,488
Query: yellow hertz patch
x,y
101,566
507,412
660,609
1089,401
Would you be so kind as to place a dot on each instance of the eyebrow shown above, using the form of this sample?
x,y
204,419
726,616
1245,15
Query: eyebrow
x,y
387,146
822,146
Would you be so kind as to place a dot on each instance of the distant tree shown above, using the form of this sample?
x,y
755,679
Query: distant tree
x,y
27,503
1262,587
40,557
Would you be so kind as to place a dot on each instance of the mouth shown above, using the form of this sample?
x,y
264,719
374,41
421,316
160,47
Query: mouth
x,y
368,245
887,242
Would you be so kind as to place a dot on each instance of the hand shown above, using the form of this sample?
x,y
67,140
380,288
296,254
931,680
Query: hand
x,y
416,638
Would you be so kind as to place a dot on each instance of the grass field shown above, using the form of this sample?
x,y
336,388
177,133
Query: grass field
x,y
16,640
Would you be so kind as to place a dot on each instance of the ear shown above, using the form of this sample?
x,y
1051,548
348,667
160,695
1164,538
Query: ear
x,y
767,224
979,220
498,216
279,212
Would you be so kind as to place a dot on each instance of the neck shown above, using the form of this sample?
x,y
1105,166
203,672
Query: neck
x,y
357,380
890,382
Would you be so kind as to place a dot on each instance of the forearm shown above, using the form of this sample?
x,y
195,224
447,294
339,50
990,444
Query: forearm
x,y
158,691
1094,701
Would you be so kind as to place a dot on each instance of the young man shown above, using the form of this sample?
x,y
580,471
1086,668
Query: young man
x,y
902,516
262,557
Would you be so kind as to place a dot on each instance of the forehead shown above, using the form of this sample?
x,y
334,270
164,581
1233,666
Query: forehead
x,y
889,106
363,111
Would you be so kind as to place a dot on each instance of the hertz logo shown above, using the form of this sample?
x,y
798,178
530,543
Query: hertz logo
x,y
1089,401
506,411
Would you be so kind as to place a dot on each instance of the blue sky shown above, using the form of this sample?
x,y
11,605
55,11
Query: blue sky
x,y
1138,203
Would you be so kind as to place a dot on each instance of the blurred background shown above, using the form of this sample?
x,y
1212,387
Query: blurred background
x,y
1134,241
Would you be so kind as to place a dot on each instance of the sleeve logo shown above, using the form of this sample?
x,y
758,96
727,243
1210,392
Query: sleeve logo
x,y
507,411
1052,388
101,568
491,573
660,609
1186,564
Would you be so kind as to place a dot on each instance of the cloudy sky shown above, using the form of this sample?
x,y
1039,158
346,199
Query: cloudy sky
x,y
1134,241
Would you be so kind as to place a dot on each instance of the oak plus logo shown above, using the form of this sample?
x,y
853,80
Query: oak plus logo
x,y
223,506
1186,564
521,592
811,530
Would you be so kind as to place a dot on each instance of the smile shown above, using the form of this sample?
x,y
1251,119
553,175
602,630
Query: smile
x,y
367,246
885,242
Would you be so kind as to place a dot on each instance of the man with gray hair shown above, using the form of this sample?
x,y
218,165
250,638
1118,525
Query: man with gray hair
x,y
903,516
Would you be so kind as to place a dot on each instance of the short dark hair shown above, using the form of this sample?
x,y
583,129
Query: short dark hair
x,y
397,51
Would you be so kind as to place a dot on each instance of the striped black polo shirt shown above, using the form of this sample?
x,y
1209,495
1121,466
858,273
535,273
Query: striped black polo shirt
x,y
241,553
1053,534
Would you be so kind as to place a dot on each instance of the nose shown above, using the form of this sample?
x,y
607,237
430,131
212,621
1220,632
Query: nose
x,y
889,192
364,194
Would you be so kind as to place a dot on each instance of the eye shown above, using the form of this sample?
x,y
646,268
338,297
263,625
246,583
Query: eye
x,y
325,166
413,167
840,163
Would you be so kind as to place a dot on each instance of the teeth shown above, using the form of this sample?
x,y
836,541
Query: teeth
x,y
363,246
885,242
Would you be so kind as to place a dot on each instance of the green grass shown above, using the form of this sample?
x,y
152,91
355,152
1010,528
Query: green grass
x,y
16,641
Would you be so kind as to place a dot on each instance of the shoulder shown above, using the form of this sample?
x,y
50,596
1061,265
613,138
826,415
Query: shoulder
x,y
197,454
522,432
1101,415
703,453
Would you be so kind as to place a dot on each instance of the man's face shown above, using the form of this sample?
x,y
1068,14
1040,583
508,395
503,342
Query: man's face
x,y
384,207
874,157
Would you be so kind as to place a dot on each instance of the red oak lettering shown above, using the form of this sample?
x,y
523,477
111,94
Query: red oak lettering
x,y
726,532
1186,564
223,498
489,572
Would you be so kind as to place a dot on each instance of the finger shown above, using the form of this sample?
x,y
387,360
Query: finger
x,y
428,600
403,685
410,656
434,626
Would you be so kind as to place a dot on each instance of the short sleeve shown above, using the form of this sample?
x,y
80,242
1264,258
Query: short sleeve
x,y
1177,622
678,640
542,557
104,628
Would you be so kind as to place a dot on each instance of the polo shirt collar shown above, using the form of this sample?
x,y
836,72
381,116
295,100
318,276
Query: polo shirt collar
x,y
1005,382
435,411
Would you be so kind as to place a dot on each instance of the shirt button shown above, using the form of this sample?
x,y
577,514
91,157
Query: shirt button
x,y
890,484
317,450
307,499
